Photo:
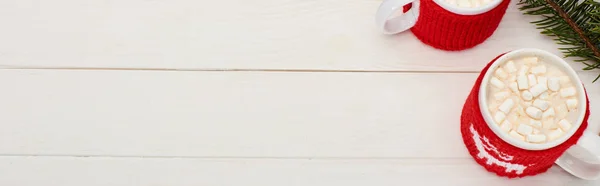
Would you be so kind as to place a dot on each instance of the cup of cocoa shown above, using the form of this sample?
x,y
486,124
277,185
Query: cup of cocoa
x,y
528,111
443,24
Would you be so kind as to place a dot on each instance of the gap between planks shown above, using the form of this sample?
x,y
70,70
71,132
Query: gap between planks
x,y
233,70
417,159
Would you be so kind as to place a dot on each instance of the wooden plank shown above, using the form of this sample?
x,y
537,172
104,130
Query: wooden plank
x,y
62,171
235,34
236,114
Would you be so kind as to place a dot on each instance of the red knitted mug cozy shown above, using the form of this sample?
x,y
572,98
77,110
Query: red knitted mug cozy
x,y
446,30
498,156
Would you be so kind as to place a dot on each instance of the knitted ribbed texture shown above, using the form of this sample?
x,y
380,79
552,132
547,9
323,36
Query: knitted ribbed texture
x,y
445,30
498,156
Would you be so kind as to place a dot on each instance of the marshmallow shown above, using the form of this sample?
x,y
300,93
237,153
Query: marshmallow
x,y
540,69
526,95
536,131
452,2
476,3
532,112
501,95
542,80
524,129
541,104
506,126
514,87
499,117
571,104
564,125
536,138
512,117
553,134
510,67
527,103
486,1
506,106
464,3
561,111
512,77
535,123
544,95
497,83
532,79
523,70
567,92
522,81
500,73
516,135
530,60
548,113
538,89
554,84
564,80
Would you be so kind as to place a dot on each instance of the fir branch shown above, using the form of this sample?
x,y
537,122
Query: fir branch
x,y
570,22
574,26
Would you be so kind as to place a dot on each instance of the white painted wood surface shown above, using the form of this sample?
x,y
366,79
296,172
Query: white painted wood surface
x,y
229,114
265,92
215,120
233,34
60,171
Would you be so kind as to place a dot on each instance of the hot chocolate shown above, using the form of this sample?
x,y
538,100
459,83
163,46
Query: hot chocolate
x,y
532,100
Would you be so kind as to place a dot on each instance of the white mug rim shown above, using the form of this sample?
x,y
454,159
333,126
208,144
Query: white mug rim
x,y
550,58
468,11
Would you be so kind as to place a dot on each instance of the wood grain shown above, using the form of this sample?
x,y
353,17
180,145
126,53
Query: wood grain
x,y
264,92
60,171
236,34
236,114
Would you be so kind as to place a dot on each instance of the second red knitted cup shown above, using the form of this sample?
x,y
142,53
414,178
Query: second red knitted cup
x,y
498,152
440,24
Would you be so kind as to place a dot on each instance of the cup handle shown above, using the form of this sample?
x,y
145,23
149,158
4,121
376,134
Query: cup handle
x,y
583,159
391,24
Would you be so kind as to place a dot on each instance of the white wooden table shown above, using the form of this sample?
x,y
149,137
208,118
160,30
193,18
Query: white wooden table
x,y
238,92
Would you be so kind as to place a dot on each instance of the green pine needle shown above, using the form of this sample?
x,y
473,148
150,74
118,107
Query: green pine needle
x,y
573,23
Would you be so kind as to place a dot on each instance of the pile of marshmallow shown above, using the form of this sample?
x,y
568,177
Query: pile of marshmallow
x,y
530,100
469,3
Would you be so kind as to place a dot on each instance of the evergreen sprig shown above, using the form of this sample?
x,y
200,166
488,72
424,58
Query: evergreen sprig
x,y
572,23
